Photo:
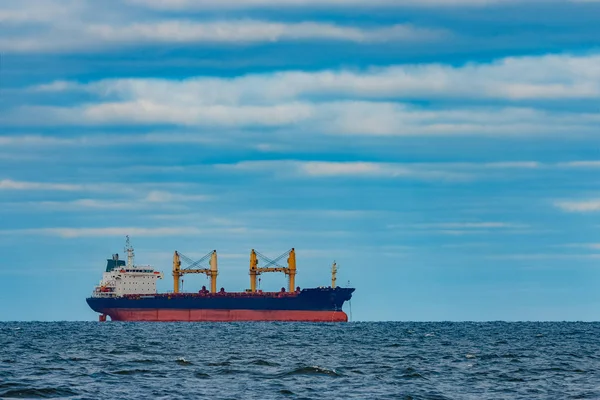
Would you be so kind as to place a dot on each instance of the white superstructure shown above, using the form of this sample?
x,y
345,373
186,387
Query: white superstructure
x,y
121,279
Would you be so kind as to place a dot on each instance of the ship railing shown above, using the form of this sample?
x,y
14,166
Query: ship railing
x,y
104,294
218,294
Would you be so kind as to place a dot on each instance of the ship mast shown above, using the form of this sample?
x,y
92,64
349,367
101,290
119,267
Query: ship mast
x,y
129,251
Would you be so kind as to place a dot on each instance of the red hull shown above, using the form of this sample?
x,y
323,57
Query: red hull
x,y
132,314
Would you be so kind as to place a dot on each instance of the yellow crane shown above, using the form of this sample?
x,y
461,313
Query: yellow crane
x,y
192,268
290,270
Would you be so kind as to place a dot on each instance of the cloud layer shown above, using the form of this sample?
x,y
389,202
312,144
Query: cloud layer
x,y
583,206
549,77
95,37
245,4
422,139
368,102
33,26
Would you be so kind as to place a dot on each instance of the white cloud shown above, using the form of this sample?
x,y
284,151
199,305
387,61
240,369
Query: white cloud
x,y
8,184
245,4
456,172
513,78
470,225
34,140
513,164
145,112
111,231
461,232
343,117
124,195
543,256
354,169
156,196
87,25
74,35
245,31
595,246
345,102
38,11
100,139
327,168
74,205
56,86
393,119
165,231
449,172
154,200
579,206
71,205
94,203
580,164
464,228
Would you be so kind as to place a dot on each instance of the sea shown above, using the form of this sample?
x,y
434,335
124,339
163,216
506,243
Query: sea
x,y
356,360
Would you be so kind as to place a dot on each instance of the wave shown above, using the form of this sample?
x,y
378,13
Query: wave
x,y
183,361
231,371
411,373
80,360
265,363
144,361
132,371
38,393
312,370
219,364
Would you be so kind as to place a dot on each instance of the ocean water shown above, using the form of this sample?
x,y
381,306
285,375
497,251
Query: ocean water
x,y
115,360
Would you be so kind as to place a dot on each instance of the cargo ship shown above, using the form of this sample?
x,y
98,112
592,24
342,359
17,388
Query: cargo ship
x,y
127,292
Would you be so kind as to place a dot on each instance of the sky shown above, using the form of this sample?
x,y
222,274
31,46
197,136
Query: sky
x,y
445,153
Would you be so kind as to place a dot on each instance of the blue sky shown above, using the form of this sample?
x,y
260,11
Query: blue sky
x,y
444,153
